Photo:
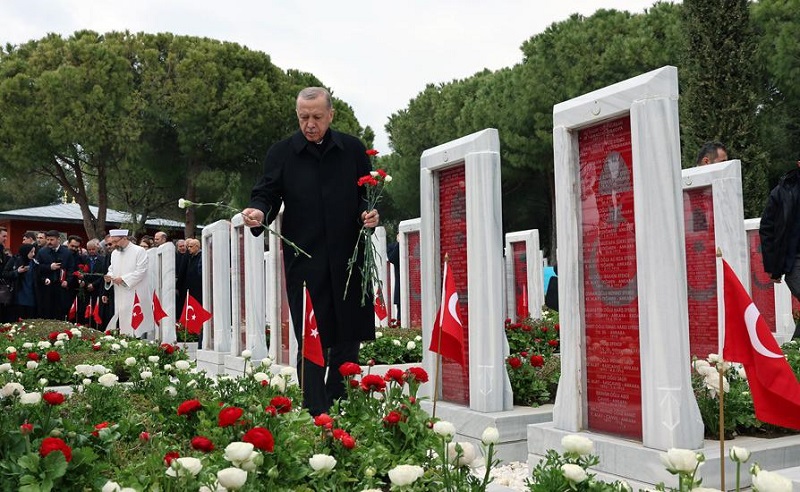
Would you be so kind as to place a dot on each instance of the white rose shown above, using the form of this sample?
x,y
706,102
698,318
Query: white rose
x,y
467,453
100,369
170,390
739,455
713,358
109,338
288,371
185,466
111,487
444,429
32,364
490,436
5,367
418,338
679,460
576,444
182,365
322,462
124,343
75,332
573,473
44,344
712,383
130,361
237,452
83,369
153,358
11,389
252,462
108,380
86,381
231,478
766,481
32,398
700,363
247,354
405,474
411,345
146,374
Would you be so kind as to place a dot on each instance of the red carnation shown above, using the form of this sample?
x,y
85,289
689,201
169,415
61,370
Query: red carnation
x,y
189,406
537,360
53,398
396,375
229,416
53,356
418,374
50,444
514,362
323,420
144,436
382,173
349,369
373,382
260,438
33,356
172,455
523,354
372,152
393,417
525,327
203,444
282,404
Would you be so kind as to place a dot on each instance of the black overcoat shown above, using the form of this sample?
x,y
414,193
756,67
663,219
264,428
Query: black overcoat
x,y
318,186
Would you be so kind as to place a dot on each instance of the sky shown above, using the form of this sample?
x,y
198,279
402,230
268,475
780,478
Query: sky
x,y
374,55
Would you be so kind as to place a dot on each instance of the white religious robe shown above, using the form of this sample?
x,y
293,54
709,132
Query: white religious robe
x,y
131,265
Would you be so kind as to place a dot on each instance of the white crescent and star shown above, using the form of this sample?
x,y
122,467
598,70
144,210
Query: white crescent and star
x,y
751,315
452,306
194,316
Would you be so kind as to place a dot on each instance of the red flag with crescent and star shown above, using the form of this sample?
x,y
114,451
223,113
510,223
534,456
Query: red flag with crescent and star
x,y
448,327
96,315
773,385
193,315
312,343
73,309
87,313
158,310
380,306
137,316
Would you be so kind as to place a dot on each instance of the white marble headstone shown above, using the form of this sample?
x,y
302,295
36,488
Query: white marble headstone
x,y
165,290
410,288
534,275
379,241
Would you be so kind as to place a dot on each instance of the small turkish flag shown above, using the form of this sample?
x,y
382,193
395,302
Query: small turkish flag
x,y
96,315
138,316
87,313
73,310
448,326
158,310
380,306
193,315
522,303
312,343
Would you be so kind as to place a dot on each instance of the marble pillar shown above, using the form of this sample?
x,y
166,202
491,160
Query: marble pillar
x,y
524,275
164,288
217,276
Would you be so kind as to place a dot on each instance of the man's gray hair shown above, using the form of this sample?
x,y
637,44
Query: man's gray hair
x,y
310,93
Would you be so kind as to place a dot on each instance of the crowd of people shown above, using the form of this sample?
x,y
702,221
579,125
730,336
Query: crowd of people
x,y
53,277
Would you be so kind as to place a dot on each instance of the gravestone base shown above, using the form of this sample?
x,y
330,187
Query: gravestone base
x,y
210,361
641,467
234,364
512,424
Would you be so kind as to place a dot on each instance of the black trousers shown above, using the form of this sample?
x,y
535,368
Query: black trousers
x,y
320,392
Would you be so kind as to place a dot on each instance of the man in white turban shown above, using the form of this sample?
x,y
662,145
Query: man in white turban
x,y
128,275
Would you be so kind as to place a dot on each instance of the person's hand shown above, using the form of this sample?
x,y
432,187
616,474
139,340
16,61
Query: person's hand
x,y
55,266
776,280
64,284
253,217
370,219
90,288
117,281
107,278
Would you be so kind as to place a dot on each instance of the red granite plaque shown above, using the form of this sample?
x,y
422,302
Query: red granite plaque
x,y
453,241
414,282
520,262
761,286
611,307
701,271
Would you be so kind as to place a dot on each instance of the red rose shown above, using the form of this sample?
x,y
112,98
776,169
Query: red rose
x,y
172,455
395,375
537,360
97,427
553,343
372,152
418,374
514,362
33,356
348,442
26,428
53,356
203,444
229,416
282,404
323,420
349,369
260,438
50,444
393,417
373,382
189,406
271,410
53,398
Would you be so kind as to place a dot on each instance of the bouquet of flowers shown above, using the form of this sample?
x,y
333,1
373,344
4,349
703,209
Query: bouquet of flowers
x,y
374,183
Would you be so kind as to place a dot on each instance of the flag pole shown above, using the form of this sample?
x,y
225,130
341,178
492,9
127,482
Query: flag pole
x,y
721,364
439,340
303,342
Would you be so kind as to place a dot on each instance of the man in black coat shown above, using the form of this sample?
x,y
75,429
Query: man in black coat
x,y
314,173
55,267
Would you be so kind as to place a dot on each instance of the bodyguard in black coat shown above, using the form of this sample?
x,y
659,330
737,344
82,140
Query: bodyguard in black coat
x,y
314,173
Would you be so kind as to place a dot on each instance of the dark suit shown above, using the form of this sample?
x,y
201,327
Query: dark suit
x,y
54,299
323,203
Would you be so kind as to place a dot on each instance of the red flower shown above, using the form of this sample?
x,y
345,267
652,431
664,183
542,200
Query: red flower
x,y
323,420
348,442
84,268
525,327
260,438
97,427
392,418
144,436
373,382
53,398
228,416
169,349
282,404
544,329
271,410
338,433
537,360
172,455
354,383
68,333
26,428
189,406
96,347
372,152
53,356
53,336
396,375
557,327
33,356
553,343
418,373
514,362
367,180
12,357
523,354
349,369
203,444
50,444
